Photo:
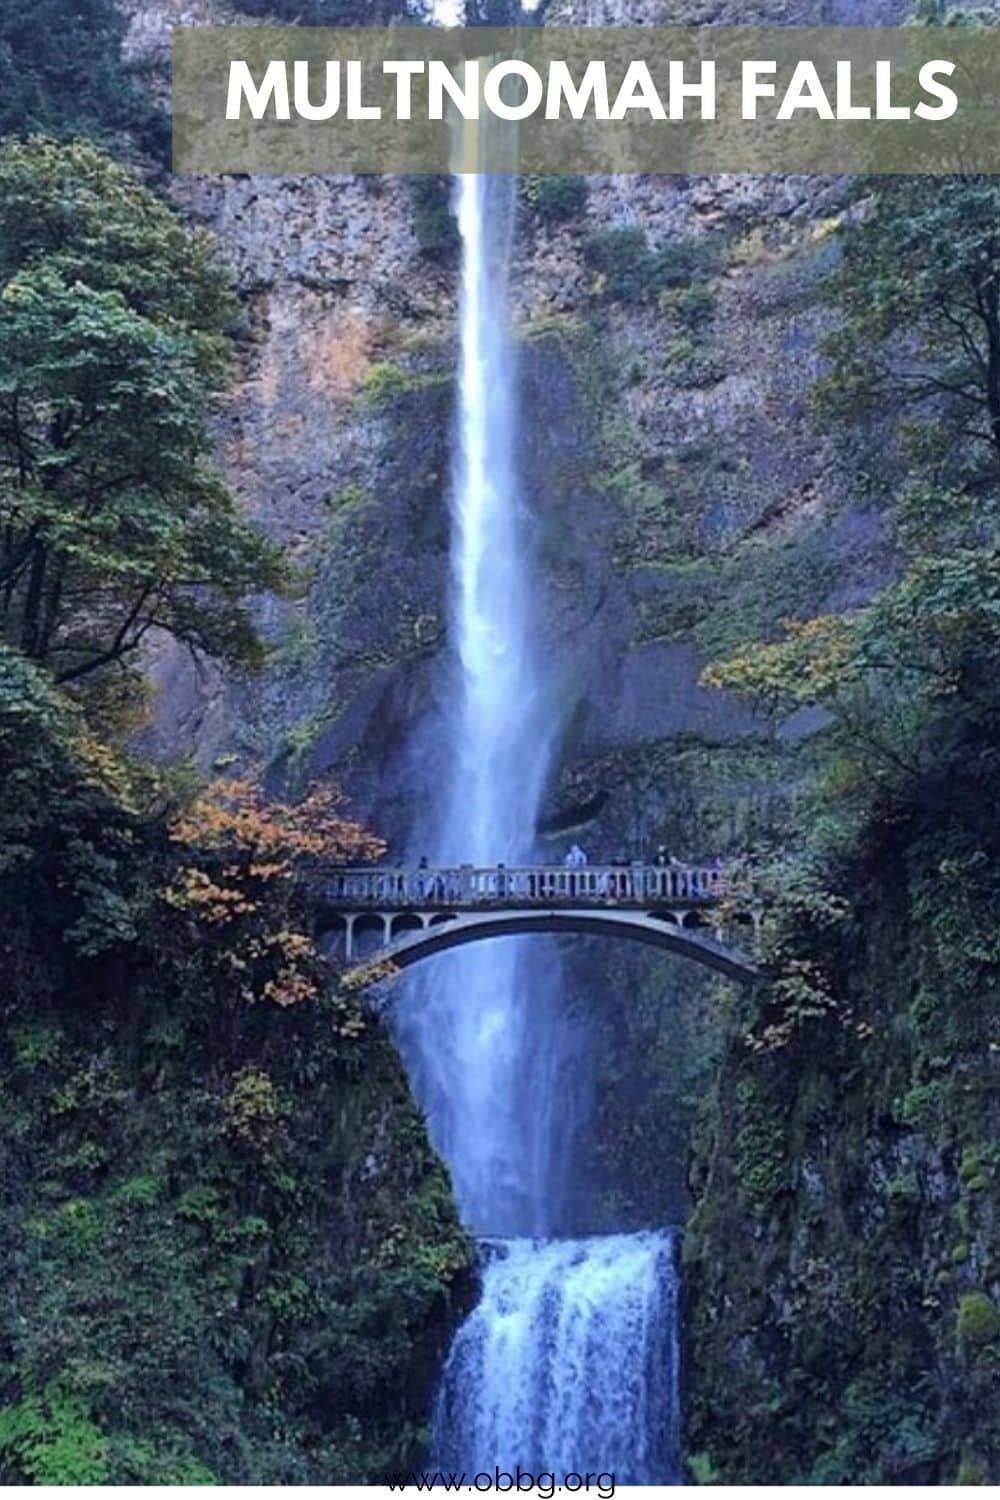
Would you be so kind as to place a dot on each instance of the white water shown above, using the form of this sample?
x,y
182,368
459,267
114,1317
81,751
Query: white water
x,y
495,1060
502,742
569,1361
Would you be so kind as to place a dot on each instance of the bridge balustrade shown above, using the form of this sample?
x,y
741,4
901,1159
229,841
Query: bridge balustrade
x,y
467,885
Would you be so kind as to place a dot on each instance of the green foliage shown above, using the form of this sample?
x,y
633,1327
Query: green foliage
x,y
383,385
689,364
384,382
433,222
62,72
633,272
113,320
701,1469
970,1472
878,1421
977,1321
759,1148
922,1107
66,846
34,1044
625,262
554,199
691,306
52,1440
972,1169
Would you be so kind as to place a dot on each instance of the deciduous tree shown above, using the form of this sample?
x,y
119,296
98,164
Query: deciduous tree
x,y
114,351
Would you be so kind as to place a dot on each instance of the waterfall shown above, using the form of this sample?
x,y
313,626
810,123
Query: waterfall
x,y
483,1029
501,740
569,1360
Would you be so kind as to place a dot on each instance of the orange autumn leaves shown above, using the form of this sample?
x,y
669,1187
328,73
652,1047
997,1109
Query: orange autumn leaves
x,y
245,867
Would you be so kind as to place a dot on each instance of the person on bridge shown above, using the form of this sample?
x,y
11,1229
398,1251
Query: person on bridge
x,y
575,858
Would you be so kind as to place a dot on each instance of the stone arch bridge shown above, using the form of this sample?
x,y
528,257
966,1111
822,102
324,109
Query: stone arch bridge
x,y
381,919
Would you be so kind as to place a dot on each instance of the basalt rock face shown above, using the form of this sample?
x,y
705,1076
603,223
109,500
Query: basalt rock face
x,y
679,494
668,332
680,497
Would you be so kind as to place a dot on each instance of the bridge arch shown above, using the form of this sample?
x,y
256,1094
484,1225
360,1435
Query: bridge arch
x,y
404,922
667,931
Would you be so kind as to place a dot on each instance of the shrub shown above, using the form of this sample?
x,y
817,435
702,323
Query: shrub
x,y
758,1148
551,200
52,1440
433,222
977,1319
635,272
384,382
625,261
691,306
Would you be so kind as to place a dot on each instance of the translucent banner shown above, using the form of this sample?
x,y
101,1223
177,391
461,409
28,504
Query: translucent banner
x,y
588,99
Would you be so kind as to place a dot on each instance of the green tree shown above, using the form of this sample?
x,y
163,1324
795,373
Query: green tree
x,y
114,353
919,294
68,858
62,71
910,678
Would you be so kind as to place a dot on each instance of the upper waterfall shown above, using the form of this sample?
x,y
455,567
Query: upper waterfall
x,y
481,1031
499,733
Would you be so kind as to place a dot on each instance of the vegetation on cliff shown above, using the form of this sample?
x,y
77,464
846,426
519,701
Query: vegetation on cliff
x,y
228,1251
843,1260
113,332
63,71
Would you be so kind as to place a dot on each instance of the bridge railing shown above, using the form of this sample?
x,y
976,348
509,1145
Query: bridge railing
x,y
469,885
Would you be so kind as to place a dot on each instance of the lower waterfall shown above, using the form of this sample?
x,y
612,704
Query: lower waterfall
x,y
569,1362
